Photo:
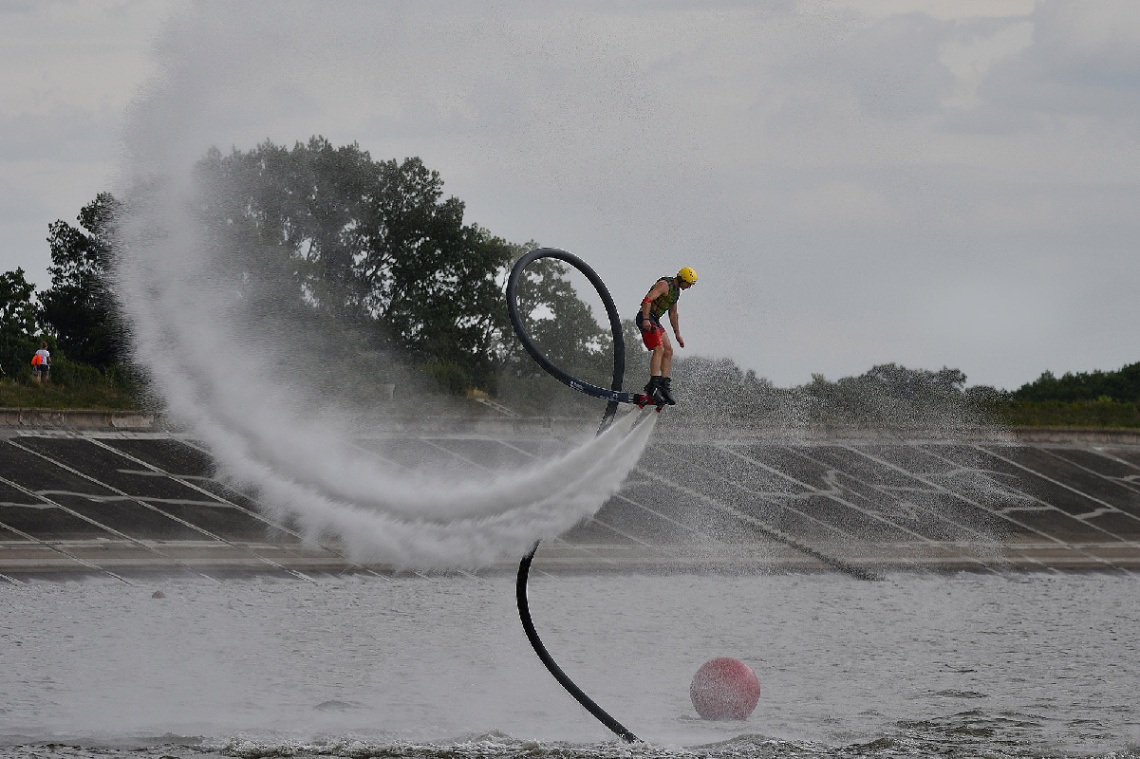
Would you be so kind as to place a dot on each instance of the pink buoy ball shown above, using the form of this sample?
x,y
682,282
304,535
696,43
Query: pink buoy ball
x,y
725,688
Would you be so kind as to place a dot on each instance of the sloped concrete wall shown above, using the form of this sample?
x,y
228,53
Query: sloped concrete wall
x,y
102,492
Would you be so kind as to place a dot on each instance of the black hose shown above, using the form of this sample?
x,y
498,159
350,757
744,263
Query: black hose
x,y
614,396
548,660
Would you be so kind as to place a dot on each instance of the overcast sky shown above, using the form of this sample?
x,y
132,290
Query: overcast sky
x,y
927,183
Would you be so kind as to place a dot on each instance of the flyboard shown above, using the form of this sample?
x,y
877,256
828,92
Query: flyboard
x,y
614,396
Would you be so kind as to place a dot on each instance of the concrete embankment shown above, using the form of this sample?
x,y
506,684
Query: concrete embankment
x,y
119,493
77,419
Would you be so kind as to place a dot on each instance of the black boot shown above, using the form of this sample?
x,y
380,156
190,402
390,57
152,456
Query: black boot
x,y
666,391
653,389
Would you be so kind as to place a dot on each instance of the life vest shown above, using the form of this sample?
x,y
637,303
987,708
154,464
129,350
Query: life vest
x,y
37,360
663,303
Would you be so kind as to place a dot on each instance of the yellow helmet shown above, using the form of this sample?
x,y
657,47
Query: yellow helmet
x,y
688,275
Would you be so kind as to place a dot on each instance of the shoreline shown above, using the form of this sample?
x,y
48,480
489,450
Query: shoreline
x,y
26,419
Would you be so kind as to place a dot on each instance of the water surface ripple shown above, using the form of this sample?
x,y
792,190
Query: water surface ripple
x,y
916,665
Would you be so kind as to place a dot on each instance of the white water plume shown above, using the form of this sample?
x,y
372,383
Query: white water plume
x,y
225,372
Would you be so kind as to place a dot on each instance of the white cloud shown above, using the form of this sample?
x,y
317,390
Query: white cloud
x,y
1084,61
957,10
891,68
971,52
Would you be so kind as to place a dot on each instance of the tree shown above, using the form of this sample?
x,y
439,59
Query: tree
x,y
17,320
79,306
373,246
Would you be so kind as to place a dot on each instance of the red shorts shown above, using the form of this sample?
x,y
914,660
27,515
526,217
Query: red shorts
x,y
653,332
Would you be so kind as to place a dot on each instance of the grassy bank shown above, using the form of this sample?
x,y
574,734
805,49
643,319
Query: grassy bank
x,y
52,395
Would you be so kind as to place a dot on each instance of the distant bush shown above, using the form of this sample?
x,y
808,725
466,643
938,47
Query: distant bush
x,y
449,376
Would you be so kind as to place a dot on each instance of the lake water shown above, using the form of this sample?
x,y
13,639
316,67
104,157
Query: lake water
x,y
914,665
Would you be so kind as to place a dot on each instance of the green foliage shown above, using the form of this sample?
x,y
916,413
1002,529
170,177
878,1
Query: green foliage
x,y
71,374
17,321
448,376
373,244
1122,386
377,252
79,306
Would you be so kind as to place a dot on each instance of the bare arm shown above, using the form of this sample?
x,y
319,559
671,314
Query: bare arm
x,y
658,290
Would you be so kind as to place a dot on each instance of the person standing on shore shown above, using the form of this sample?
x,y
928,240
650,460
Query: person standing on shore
x,y
662,298
41,363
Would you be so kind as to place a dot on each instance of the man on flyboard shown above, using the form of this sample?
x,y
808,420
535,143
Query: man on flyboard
x,y
660,299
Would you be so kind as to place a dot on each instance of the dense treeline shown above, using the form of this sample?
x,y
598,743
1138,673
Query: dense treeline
x,y
1122,386
1085,399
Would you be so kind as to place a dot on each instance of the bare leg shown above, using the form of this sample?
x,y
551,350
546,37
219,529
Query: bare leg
x,y
666,348
655,361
